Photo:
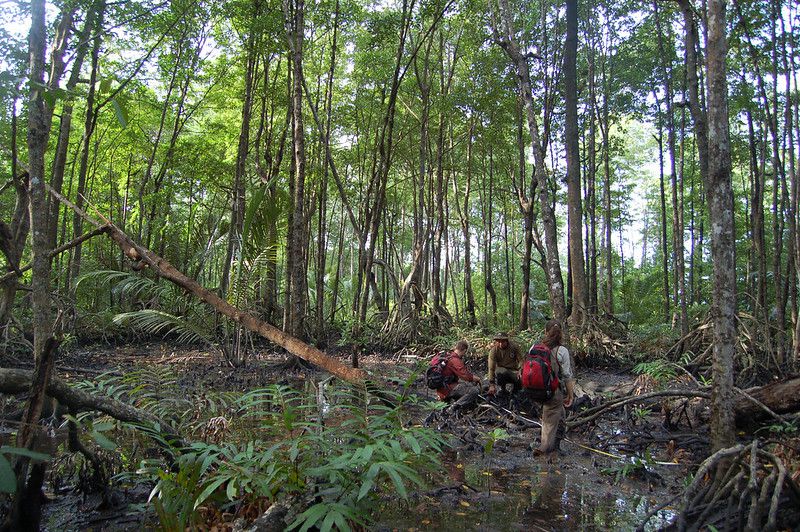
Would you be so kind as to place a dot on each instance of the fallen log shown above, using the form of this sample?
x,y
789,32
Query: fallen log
x,y
779,397
143,257
755,405
14,381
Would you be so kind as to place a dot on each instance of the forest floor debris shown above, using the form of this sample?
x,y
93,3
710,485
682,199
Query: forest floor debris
x,y
611,472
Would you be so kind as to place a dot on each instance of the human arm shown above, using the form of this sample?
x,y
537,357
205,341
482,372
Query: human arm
x,y
460,370
565,363
492,369
570,385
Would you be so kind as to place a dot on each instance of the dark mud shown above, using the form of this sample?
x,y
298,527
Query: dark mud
x,y
607,476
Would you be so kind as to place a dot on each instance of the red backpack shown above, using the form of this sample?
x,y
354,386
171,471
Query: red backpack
x,y
435,378
537,375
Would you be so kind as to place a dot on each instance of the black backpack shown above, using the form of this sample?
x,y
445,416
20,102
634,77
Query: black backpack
x,y
435,378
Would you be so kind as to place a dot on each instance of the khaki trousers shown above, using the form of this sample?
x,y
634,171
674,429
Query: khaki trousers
x,y
553,415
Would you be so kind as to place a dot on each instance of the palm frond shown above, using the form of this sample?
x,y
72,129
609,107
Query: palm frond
x,y
157,322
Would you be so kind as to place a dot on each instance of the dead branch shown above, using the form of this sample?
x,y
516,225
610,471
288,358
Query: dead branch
x,y
55,252
594,413
776,398
142,257
14,381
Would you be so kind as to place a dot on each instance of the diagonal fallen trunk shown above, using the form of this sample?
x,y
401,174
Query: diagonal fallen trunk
x,y
144,257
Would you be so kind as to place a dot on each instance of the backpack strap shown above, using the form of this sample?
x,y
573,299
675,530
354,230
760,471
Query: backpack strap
x,y
556,365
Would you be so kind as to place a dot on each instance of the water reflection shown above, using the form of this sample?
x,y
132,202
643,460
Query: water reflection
x,y
527,497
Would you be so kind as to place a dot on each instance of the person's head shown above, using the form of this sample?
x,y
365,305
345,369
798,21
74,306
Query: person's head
x,y
461,347
552,334
501,340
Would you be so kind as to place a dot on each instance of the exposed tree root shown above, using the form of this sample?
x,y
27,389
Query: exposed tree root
x,y
603,337
739,488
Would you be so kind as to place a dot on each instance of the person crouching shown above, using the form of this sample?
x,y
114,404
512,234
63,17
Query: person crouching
x,y
458,388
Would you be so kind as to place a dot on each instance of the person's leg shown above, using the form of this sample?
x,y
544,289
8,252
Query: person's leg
x,y
552,413
463,395
506,376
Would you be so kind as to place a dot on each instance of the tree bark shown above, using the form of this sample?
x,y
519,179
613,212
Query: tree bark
x,y
720,202
294,13
24,516
574,192
505,37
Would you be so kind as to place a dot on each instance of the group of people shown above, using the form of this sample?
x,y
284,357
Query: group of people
x,y
506,361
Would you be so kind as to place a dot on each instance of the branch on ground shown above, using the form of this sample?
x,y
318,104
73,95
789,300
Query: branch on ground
x,y
15,381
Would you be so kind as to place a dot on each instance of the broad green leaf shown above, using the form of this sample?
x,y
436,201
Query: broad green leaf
x,y
33,455
121,111
365,487
8,481
396,480
102,441
208,490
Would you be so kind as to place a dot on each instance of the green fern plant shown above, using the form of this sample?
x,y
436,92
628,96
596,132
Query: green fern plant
x,y
292,450
661,371
159,323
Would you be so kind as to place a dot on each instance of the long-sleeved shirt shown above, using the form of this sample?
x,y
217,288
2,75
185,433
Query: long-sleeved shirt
x,y
511,357
455,368
564,363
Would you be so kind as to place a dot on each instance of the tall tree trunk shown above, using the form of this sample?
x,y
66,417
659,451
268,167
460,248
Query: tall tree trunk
x,y
605,127
574,192
662,196
591,165
463,214
757,229
679,281
322,228
488,238
294,14
235,246
380,176
88,130
65,125
721,208
505,37
526,204
25,513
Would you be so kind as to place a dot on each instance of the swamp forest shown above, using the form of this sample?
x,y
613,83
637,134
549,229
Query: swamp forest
x,y
249,248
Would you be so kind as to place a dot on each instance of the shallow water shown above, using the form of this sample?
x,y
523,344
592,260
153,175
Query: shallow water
x,y
529,497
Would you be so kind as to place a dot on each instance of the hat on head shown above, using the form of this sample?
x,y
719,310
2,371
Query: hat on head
x,y
500,336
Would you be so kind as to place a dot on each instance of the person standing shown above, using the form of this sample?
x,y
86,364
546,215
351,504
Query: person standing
x,y
553,413
505,362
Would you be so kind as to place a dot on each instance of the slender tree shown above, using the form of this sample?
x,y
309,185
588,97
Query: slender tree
x,y
574,193
720,204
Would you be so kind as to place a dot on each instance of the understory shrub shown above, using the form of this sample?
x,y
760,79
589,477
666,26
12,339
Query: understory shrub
x,y
335,449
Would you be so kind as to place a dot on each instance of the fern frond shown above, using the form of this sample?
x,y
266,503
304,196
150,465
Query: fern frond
x,y
157,322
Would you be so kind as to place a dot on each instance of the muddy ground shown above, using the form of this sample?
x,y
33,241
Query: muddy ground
x,y
607,476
